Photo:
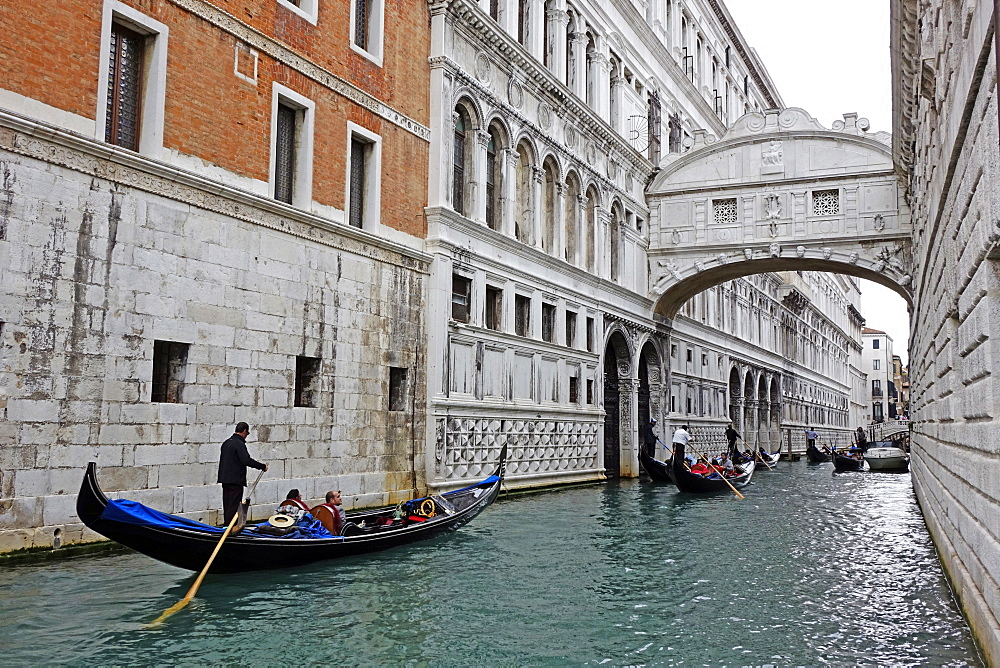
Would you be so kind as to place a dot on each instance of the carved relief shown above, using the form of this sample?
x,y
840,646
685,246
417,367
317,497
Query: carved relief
x,y
748,253
800,251
675,237
484,69
699,266
774,250
772,207
515,94
827,253
721,258
853,259
544,116
879,222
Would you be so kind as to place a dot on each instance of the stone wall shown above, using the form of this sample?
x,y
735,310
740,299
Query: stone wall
x,y
946,106
103,253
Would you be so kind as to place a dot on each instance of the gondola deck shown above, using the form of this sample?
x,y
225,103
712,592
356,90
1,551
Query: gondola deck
x,y
188,544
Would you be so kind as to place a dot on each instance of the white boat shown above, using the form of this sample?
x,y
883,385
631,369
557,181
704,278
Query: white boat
x,y
884,456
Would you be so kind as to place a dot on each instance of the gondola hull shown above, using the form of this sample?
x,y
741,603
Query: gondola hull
x,y
842,463
658,471
770,459
190,548
815,455
697,484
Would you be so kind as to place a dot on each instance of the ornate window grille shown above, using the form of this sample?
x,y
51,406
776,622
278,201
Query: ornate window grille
x,y
362,19
124,108
826,202
359,170
284,154
724,211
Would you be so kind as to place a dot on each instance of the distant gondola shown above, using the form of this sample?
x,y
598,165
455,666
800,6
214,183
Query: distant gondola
x,y
842,462
188,544
815,455
769,458
697,484
657,470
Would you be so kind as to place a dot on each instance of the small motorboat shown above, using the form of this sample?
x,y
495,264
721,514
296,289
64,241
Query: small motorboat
x,y
887,456
186,543
816,455
848,460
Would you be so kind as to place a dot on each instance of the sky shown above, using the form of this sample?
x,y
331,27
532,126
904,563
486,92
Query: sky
x,y
832,58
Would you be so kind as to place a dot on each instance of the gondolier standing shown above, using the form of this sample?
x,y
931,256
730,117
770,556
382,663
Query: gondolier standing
x,y
682,437
731,436
233,462
811,437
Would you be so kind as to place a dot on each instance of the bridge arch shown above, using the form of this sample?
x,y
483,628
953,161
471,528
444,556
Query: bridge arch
x,y
778,192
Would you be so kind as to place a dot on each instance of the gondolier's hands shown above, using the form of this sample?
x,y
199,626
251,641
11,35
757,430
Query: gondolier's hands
x,y
266,466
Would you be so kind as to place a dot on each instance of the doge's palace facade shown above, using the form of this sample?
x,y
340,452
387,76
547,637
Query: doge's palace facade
x,y
548,119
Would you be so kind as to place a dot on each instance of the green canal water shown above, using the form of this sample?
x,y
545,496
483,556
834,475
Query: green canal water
x,y
811,569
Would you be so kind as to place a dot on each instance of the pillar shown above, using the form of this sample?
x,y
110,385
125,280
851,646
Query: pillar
x,y
508,198
478,177
535,219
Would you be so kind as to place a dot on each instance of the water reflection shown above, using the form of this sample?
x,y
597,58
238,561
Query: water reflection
x,y
810,569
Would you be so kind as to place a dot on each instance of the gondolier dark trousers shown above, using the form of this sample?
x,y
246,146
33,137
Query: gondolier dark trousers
x,y
232,497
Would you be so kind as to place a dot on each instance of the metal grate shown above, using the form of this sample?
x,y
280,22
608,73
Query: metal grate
x,y
124,88
284,154
826,202
359,156
458,186
362,10
169,364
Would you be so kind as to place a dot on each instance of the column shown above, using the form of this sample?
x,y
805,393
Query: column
x,y
556,21
536,28
617,102
440,114
600,238
535,219
578,79
477,181
602,70
559,221
750,422
628,417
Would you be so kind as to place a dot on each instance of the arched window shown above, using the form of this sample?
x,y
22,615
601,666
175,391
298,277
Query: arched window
x,y
493,180
549,207
614,81
461,150
570,51
522,22
524,211
615,242
548,38
571,219
589,227
591,71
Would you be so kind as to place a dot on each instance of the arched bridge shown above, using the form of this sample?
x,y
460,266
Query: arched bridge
x,y
778,192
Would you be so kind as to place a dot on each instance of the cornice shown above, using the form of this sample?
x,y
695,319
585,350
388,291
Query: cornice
x,y
228,23
86,155
904,63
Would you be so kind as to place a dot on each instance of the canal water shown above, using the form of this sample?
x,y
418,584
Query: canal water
x,y
813,568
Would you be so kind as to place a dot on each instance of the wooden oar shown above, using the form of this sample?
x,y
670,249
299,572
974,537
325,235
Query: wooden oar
x,y
201,576
756,453
735,491
672,455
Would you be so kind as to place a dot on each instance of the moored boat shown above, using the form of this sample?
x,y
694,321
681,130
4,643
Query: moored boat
x,y
769,458
846,461
815,455
659,471
187,544
885,456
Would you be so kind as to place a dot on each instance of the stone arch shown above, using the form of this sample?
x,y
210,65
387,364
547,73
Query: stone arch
x,y
495,121
572,218
550,203
763,413
467,99
649,371
618,400
498,143
465,124
736,398
590,227
615,239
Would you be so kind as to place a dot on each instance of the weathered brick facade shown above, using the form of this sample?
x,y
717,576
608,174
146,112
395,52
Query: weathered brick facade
x,y
104,251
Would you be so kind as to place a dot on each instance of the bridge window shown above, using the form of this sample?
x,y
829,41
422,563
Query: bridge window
x,y
725,211
826,202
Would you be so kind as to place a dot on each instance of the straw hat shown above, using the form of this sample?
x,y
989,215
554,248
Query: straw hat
x,y
281,521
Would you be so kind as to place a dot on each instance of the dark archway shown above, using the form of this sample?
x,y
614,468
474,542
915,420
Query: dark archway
x,y
612,403
735,398
643,399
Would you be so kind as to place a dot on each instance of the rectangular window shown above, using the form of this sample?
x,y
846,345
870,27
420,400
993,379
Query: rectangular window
x,y
124,104
359,169
548,323
307,371
876,364
284,153
724,211
570,329
461,298
826,202
522,315
690,355
875,343
590,391
704,359
397,389
689,405
169,369
590,334
494,308
673,404
362,22
574,390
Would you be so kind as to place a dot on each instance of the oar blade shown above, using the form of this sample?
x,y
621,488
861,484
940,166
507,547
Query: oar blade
x,y
168,612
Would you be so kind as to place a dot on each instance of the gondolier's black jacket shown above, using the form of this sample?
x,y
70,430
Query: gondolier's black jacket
x,y
234,460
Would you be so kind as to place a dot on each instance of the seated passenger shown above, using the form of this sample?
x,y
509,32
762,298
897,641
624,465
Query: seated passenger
x,y
294,499
727,465
331,514
701,468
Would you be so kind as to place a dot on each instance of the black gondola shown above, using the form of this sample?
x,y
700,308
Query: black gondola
x,y
657,470
697,484
815,455
842,462
188,544
771,459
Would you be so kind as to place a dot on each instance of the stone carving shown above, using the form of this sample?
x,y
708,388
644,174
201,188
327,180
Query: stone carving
x,y
674,270
775,250
773,229
887,258
772,207
484,69
699,266
623,368
772,155
879,222
515,94
853,259
675,237
612,170
544,116
571,137
827,252
748,253
905,280
628,181
468,447
800,251
721,258
591,153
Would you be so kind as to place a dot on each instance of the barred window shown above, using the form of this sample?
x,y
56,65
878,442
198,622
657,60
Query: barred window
x,y
494,307
284,154
307,375
826,202
362,21
359,171
458,188
124,108
570,329
574,391
725,211
397,388
169,368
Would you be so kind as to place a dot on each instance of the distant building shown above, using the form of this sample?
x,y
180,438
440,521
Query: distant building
x,y
876,361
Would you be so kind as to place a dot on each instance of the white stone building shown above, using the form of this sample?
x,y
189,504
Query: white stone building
x,y
876,361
